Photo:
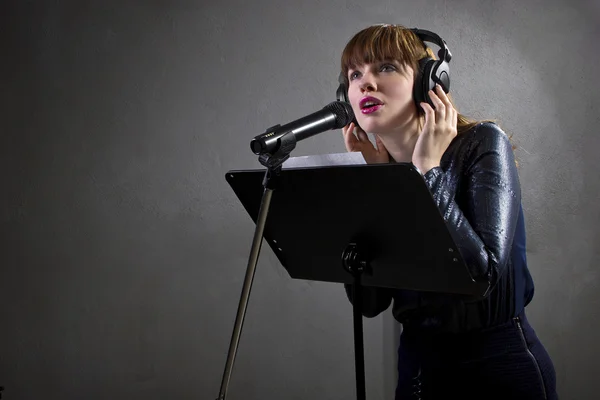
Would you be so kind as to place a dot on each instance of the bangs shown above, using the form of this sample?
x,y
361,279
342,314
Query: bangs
x,y
382,43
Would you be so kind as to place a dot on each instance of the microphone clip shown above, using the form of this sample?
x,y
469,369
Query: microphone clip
x,y
274,161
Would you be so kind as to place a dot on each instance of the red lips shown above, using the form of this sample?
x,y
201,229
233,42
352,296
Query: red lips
x,y
370,101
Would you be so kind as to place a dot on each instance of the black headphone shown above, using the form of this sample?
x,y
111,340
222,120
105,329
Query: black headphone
x,y
430,72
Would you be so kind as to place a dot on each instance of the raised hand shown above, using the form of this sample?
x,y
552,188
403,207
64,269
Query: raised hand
x,y
438,131
359,142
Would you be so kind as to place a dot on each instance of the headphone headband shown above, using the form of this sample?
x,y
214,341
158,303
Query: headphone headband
x,y
431,37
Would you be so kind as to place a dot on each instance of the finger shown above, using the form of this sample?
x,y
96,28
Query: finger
x,y
429,111
450,111
347,128
362,135
440,107
349,139
439,91
380,146
429,115
454,118
358,128
347,133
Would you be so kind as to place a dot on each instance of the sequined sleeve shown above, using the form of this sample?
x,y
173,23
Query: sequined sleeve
x,y
483,225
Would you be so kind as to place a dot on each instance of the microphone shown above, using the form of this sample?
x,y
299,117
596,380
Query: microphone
x,y
334,115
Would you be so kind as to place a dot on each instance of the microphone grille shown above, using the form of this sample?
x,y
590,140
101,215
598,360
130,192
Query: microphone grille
x,y
342,111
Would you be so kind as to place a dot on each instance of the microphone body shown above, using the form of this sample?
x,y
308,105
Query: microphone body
x,y
333,116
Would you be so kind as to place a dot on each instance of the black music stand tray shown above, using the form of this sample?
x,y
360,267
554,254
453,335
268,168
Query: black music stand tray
x,y
371,225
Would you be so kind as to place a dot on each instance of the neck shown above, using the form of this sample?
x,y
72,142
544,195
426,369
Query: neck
x,y
400,143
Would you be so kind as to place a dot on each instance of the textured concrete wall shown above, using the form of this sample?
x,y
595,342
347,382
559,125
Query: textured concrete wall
x,y
123,249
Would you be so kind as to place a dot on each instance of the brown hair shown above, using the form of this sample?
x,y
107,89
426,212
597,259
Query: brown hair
x,y
392,42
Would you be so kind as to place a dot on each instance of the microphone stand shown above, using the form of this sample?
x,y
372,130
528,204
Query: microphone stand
x,y
274,163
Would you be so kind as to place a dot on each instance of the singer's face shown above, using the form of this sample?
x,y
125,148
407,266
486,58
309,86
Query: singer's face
x,y
381,95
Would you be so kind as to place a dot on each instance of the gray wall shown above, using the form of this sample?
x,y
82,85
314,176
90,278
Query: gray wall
x,y
123,250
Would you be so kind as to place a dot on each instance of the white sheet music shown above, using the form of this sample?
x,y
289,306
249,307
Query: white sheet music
x,y
321,160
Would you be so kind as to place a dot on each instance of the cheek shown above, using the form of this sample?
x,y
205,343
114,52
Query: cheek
x,y
409,89
354,97
405,92
354,100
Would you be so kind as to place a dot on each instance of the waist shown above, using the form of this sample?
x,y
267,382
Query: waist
x,y
480,343
443,313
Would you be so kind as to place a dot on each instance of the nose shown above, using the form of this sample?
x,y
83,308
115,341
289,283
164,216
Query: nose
x,y
368,83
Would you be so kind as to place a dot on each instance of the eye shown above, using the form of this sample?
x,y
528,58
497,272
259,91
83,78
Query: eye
x,y
388,67
353,75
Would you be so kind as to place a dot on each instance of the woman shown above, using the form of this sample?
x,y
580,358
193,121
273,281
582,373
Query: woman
x,y
480,348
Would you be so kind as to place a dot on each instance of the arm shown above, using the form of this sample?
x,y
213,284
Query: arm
x,y
484,228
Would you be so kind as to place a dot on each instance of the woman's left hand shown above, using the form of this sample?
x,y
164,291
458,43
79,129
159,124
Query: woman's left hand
x,y
439,130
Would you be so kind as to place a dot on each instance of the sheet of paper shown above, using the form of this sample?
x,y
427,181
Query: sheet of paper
x,y
322,160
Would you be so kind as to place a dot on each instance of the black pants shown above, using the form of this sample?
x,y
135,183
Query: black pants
x,y
503,362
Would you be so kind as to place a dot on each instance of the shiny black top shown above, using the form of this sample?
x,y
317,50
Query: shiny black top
x,y
477,190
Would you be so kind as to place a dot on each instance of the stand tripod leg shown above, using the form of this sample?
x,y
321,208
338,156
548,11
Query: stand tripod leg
x,y
241,312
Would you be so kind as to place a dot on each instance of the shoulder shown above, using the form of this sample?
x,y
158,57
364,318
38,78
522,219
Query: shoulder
x,y
483,145
487,133
483,137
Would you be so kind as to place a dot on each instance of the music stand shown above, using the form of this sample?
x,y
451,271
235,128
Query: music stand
x,y
372,225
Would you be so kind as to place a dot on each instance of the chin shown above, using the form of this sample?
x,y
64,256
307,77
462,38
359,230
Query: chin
x,y
373,127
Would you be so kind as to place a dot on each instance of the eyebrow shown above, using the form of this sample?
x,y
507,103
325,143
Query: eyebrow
x,y
387,61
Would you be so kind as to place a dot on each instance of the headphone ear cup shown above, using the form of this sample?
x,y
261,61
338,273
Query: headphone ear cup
x,y
341,93
441,75
433,71
423,83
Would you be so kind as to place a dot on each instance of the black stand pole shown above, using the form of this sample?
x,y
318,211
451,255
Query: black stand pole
x,y
356,264
274,163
